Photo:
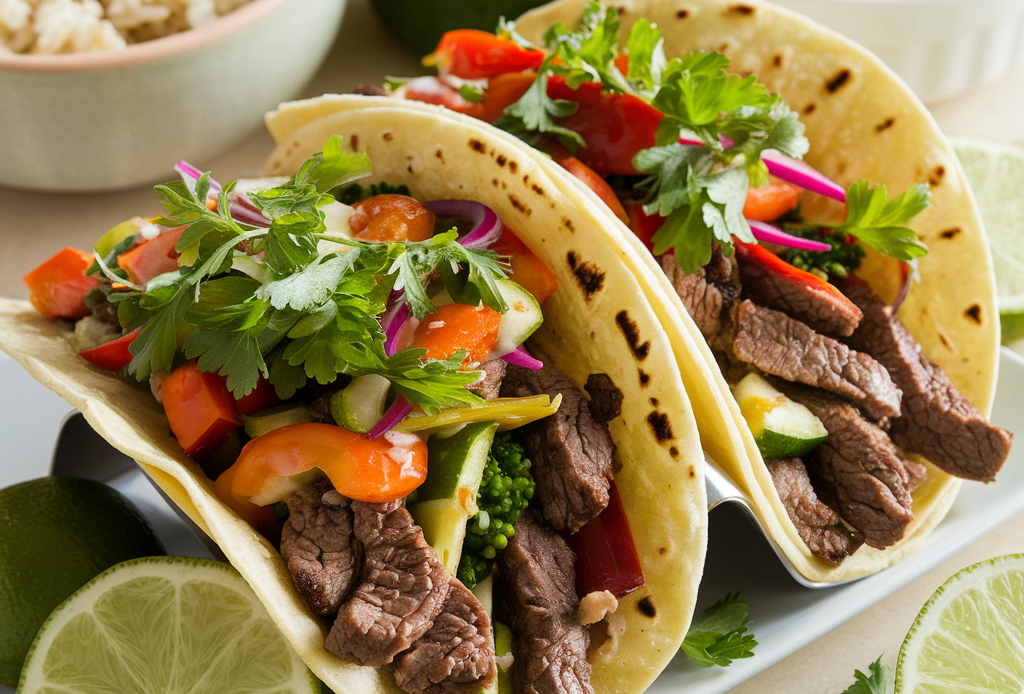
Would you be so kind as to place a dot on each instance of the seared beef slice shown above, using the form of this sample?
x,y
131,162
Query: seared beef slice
x,y
818,525
536,597
489,386
784,347
456,656
571,454
860,467
319,547
708,294
404,587
938,422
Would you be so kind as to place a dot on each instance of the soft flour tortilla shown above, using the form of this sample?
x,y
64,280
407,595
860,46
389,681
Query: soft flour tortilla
x,y
597,321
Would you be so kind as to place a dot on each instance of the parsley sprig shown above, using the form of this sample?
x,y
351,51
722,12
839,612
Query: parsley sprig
x,y
720,635
303,315
869,684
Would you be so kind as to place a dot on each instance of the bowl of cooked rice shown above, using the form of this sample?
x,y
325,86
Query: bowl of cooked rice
x,y
100,95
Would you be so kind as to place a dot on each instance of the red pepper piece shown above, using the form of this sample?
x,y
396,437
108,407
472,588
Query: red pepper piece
x,y
528,271
59,285
586,176
112,355
262,397
644,225
472,55
261,518
199,408
614,126
431,90
151,258
606,556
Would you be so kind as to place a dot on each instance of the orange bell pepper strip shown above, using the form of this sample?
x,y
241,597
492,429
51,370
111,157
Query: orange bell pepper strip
x,y
151,258
458,326
391,218
527,270
587,177
473,55
57,288
379,470
769,202
644,225
261,518
112,355
199,408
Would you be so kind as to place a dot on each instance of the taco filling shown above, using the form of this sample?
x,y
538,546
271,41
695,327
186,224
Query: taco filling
x,y
705,168
348,365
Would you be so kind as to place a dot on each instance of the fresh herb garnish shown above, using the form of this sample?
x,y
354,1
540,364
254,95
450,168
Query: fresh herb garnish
x,y
875,684
720,635
353,192
844,258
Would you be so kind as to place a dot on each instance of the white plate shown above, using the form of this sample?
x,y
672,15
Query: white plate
x,y
787,616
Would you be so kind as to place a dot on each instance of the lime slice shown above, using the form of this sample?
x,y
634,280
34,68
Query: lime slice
x,y
995,170
969,636
164,624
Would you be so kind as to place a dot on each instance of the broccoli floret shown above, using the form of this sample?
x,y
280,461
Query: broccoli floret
x,y
505,490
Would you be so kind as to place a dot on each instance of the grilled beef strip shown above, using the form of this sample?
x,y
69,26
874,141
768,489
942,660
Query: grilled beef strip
x,y
917,473
571,453
827,312
605,398
709,295
319,547
536,597
785,347
456,655
818,525
489,387
859,467
937,422
403,590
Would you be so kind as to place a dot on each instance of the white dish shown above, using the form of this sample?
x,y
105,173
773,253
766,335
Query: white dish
x,y
787,616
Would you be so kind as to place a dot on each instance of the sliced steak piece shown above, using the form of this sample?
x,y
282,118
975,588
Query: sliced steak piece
x,y
938,422
770,281
818,525
860,467
319,547
536,597
570,452
605,398
785,347
456,656
709,295
489,387
404,587
917,472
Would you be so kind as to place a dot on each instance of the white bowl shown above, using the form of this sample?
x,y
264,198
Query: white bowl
x,y
118,119
939,47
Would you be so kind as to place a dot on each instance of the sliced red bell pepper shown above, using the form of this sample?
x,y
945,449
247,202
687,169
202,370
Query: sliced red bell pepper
x,y
644,225
614,126
606,556
527,270
152,257
503,91
57,288
586,176
769,202
473,55
431,90
112,355
199,408
262,397
458,326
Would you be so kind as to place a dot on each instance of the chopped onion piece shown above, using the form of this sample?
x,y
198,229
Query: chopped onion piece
x,y
396,317
767,233
486,223
395,414
802,174
520,357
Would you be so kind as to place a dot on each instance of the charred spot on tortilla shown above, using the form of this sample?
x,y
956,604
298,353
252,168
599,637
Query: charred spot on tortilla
x,y
621,10
646,607
950,233
502,160
660,426
936,178
674,452
682,14
513,166
777,60
631,332
693,473
388,137
644,377
945,342
440,155
654,402
746,10
494,181
974,313
353,143
840,79
884,125
567,223
588,276
809,108
592,334
478,146
409,168
522,207
662,550
537,189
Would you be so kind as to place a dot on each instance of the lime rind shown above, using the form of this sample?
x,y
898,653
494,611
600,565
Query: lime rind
x,y
969,636
223,641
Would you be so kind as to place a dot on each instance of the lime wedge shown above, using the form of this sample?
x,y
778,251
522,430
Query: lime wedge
x,y
164,624
995,170
969,636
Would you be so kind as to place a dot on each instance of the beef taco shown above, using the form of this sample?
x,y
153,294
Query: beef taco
x,y
841,369
329,366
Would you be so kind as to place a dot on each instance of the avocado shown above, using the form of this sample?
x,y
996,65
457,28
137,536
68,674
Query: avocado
x,y
275,418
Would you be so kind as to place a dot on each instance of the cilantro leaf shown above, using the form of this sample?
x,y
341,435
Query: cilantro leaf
x,y
646,50
334,166
507,29
291,243
433,383
312,286
587,54
535,112
285,378
873,684
720,635
879,222
155,346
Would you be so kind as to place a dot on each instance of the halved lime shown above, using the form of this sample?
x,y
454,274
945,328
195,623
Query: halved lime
x,y
969,636
164,624
995,170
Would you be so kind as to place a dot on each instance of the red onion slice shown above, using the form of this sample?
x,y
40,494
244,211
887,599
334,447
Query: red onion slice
x,y
241,207
520,357
395,414
393,322
189,171
767,233
487,225
905,278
